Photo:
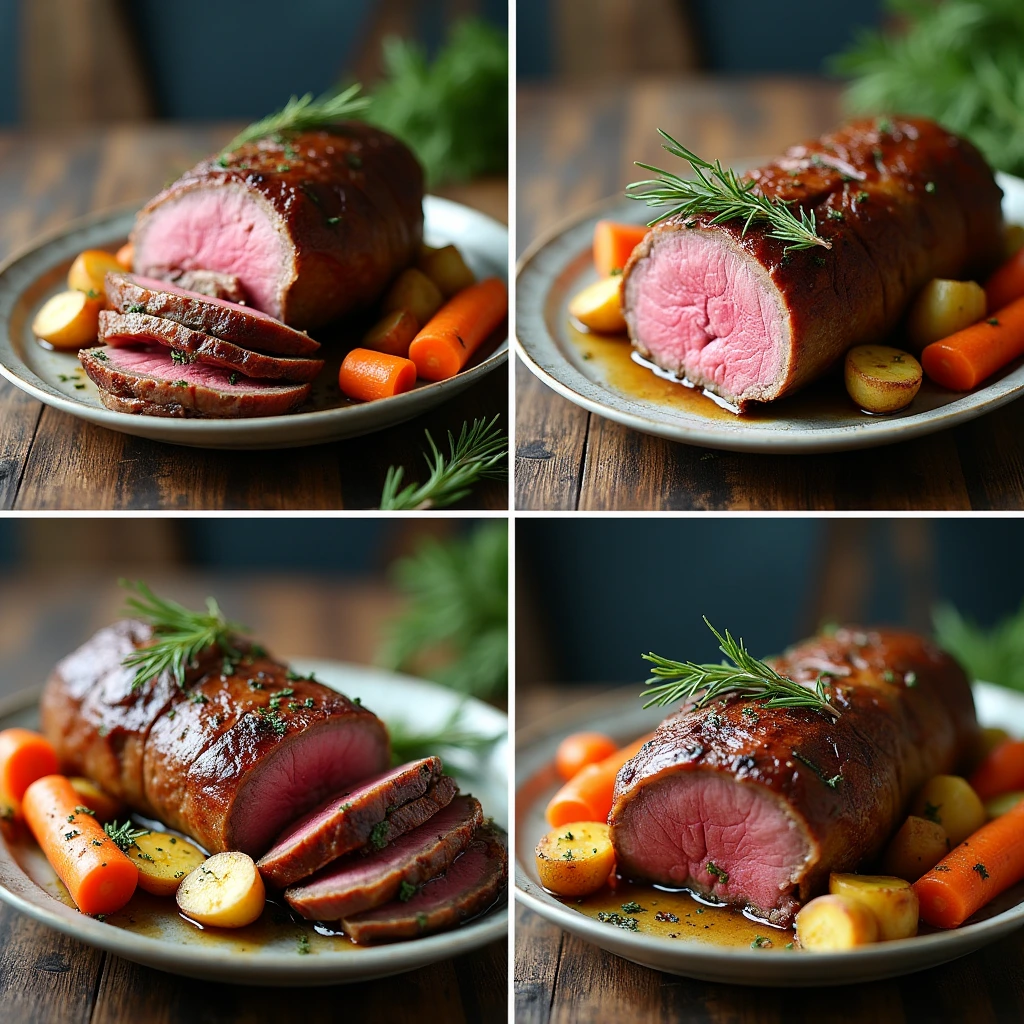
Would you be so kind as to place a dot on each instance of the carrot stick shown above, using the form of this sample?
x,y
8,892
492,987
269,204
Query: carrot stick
x,y
100,878
24,757
1007,282
964,359
458,328
1001,772
369,375
975,872
587,796
614,244
126,255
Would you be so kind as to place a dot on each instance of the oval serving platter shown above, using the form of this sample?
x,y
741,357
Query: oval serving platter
x,y
30,277
599,374
621,716
149,930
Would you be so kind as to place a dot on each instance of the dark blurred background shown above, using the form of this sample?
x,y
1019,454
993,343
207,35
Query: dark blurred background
x,y
594,594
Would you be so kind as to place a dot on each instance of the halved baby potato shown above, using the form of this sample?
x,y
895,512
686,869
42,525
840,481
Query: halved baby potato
x,y
833,923
893,902
949,801
446,268
882,379
89,270
226,891
393,333
69,320
412,290
942,308
164,861
915,849
599,308
102,804
575,859
999,805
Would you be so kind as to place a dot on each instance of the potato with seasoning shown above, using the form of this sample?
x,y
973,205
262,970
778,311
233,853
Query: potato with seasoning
x,y
942,308
102,804
949,801
575,859
446,268
226,891
916,848
163,861
882,379
89,270
392,334
599,307
69,320
831,924
890,899
414,292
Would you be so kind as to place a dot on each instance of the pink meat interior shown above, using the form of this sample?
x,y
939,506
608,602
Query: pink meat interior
x,y
672,828
707,312
152,363
224,229
154,285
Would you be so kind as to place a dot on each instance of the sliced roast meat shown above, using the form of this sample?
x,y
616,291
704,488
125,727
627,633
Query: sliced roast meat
x,y
346,822
152,377
898,201
414,813
229,759
209,282
314,225
132,330
130,293
754,806
357,882
466,889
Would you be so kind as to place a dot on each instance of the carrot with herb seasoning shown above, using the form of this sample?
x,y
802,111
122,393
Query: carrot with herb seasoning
x,y
1001,771
975,872
100,878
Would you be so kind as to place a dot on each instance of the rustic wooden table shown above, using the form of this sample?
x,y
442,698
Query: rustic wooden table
x,y
576,146
50,460
48,978
561,978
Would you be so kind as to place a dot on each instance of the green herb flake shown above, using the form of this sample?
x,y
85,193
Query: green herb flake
x,y
761,942
930,186
421,920
993,321
136,308
632,907
406,891
980,868
71,835
931,812
630,924
721,875
303,945
378,834
568,837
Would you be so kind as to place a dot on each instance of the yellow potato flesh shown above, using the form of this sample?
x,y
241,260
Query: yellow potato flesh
x,y
917,847
163,861
891,900
599,308
942,308
832,923
89,270
415,292
103,805
992,737
882,379
393,334
575,859
949,801
447,269
224,892
69,320
999,805
1013,237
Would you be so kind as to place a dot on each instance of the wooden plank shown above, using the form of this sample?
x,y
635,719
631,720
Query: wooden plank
x,y
538,952
991,457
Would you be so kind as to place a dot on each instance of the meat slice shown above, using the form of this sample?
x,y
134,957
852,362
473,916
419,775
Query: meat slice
x,y
217,317
314,225
209,282
152,378
229,759
346,821
132,330
467,888
357,882
415,812
898,201
755,806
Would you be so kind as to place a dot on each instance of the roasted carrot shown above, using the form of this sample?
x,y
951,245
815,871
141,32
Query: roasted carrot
x,y
614,244
458,329
963,360
587,796
1007,282
368,375
126,255
580,749
24,757
100,878
1001,771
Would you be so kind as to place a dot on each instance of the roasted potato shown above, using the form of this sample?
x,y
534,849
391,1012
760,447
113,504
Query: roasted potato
x,y
69,320
163,861
949,801
882,379
1013,238
942,308
991,738
916,848
414,292
999,805
575,859
226,891
446,268
599,308
833,923
891,900
393,333
103,805
89,270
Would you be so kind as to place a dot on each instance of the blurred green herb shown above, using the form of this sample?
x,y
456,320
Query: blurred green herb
x,y
455,628
410,744
960,62
995,655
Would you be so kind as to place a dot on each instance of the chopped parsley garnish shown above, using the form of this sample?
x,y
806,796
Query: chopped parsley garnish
x,y
303,947
910,679
836,215
71,835
714,869
136,308
980,868
631,924
931,812
993,321
233,379
180,358
124,836
567,836
198,698
421,920
761,942
333,220
862,197
889,676
179,384
632,907
567,855
930,187
79,809
406,891
281,168
377,840
270,718
309,702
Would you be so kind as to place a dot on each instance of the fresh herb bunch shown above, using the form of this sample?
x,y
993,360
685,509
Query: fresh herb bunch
x,y
180,635
672,681
721,191
453,112
959,61
476,455
995,655
124,836
410,744
455,628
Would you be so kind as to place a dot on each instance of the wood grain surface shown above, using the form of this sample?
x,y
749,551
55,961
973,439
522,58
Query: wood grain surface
x,y
576,146
50,460
47,978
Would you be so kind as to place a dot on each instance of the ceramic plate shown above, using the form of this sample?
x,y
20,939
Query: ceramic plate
x,y
150,932
621,716
598,374
28,279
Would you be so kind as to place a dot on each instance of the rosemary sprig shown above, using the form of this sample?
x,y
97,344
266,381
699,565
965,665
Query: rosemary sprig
x,y
124,836
181,635
684,680
304,113
720,191
407,744
474,456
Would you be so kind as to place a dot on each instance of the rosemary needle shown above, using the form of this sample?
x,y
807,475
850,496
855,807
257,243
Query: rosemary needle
x,y
685,680
474,456
720,191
